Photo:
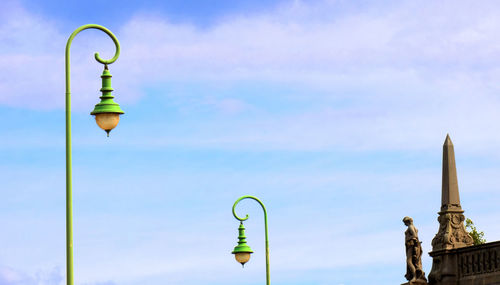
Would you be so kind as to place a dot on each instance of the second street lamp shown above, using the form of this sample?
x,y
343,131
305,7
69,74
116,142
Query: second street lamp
x,y
107,116
242,251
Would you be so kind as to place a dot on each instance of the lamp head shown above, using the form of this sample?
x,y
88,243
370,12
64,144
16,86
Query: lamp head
x,y
107,112
242,251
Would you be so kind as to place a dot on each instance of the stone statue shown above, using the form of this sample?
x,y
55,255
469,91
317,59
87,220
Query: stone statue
x,y
414,271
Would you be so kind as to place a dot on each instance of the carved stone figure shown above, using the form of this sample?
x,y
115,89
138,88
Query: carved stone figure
x,y
414,271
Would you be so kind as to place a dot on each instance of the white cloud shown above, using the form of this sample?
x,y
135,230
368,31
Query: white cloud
x,y
298,39
298,42
9,276
409,72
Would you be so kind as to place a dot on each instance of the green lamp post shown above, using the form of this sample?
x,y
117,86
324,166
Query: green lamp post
x,y
242,251
107,114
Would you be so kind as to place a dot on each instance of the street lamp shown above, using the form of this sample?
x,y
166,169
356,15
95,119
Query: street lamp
x,y
106,113
242,251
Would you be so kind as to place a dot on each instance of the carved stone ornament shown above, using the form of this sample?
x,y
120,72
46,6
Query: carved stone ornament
x,y
452,233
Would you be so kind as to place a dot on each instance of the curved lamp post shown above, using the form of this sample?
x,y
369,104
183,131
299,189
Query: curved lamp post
x,y
107,114
242,251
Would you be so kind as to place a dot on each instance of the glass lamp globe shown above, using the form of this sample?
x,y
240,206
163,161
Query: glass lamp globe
x,y
242,257
107,121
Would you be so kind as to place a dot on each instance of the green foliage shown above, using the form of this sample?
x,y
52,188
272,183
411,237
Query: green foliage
x,y
478,237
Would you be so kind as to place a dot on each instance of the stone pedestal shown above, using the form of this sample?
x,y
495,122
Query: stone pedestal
x,y
451,233
417,282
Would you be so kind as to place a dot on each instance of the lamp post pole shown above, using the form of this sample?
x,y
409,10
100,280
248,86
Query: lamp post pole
x,y
69,208
247,249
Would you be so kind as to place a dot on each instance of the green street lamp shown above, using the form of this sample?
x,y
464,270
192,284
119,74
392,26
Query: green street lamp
x,y
107,114
242,251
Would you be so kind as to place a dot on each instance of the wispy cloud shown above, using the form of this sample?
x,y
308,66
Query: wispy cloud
x,y
299,39
9,276
298,42
400,74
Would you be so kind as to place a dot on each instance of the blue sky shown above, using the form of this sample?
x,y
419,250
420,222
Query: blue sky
x,y
333,113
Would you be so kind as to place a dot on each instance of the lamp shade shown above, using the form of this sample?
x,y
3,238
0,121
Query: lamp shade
x,y
107,121
242,257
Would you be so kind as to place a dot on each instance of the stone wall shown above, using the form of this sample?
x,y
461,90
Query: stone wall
x,y
472,265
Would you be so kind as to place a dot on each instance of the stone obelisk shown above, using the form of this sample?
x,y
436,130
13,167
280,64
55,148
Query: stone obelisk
x,y
451,232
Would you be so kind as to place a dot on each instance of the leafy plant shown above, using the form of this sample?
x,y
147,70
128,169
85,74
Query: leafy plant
x,y
478,237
